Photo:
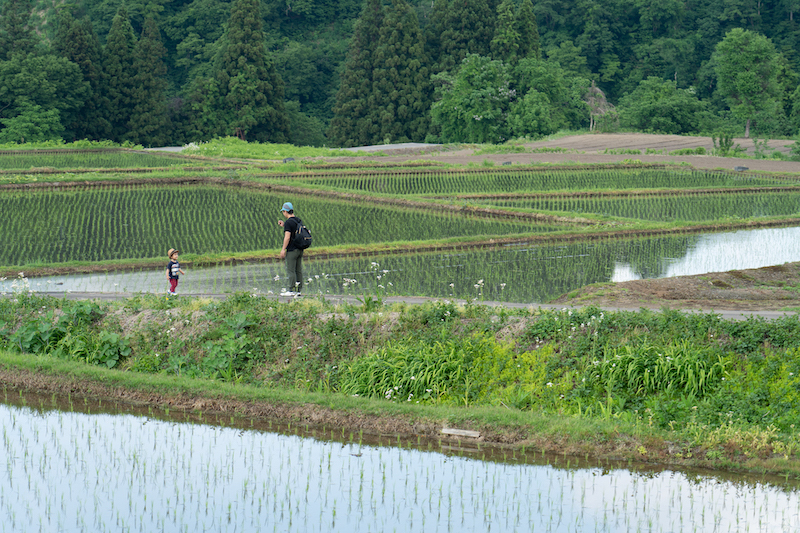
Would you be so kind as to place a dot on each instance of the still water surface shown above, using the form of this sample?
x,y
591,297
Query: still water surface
x,y
515,273
70,471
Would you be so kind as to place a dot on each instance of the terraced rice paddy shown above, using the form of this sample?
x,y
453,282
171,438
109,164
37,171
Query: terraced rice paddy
x,y
521,273
673,207
66,470
75,471
239,215
143,222
99,158
466,181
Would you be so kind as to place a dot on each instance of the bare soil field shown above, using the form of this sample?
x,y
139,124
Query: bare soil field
x,y
761,289
590,148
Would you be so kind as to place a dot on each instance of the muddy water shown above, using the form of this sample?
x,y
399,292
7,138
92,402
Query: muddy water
x,y
78,465
515,273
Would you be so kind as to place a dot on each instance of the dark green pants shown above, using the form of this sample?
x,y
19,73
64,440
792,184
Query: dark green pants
x,y
294,269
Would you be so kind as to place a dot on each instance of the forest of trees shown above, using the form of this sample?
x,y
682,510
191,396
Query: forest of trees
x,y
350,73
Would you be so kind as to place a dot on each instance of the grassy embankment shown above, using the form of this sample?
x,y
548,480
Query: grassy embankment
x,y
665,387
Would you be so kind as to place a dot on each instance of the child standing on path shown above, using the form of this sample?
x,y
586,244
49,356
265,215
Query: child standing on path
x,y
173,269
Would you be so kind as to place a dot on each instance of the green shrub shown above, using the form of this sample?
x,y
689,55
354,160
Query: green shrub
x,y
763,391
521,381
148,363
794,154
105,348
753,334
419,371
42,333
435,313
689,151
677,369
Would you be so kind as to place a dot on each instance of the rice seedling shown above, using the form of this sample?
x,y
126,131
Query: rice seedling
x,y
128,222
522,273
518,180
668,207
90,159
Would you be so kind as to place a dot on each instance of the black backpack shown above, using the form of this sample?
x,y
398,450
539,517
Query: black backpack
x,y
302,236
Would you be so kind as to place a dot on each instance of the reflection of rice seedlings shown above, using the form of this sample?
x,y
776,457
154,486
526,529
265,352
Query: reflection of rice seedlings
x,y
60,469
216,274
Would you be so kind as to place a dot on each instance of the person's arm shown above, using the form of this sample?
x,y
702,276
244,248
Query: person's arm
x,y
287,235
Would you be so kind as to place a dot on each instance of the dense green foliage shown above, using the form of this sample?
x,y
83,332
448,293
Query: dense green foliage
x,y
119,74
77,41
251,96
747,66
385,92
307,63
658,106
707,378
472,104
351,125
148,123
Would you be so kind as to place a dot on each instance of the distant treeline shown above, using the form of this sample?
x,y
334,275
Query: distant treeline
x,y
347,72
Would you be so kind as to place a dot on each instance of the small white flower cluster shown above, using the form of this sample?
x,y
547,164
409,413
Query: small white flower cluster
x,y
572,327
193,146
20,284
390,392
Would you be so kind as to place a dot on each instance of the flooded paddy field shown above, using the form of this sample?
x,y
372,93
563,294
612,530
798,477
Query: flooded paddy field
x,y
520,272
86,465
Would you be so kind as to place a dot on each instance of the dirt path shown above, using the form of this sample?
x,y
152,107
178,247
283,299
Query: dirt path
x,y
589,148
755,290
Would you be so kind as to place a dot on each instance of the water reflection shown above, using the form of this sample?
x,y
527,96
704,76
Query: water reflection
x,y
515,273
68,471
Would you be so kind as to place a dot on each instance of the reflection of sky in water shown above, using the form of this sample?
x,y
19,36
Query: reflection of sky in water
x,y
76,472
720,252
522,273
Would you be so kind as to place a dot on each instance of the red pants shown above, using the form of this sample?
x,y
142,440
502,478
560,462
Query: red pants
x,y
173,284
